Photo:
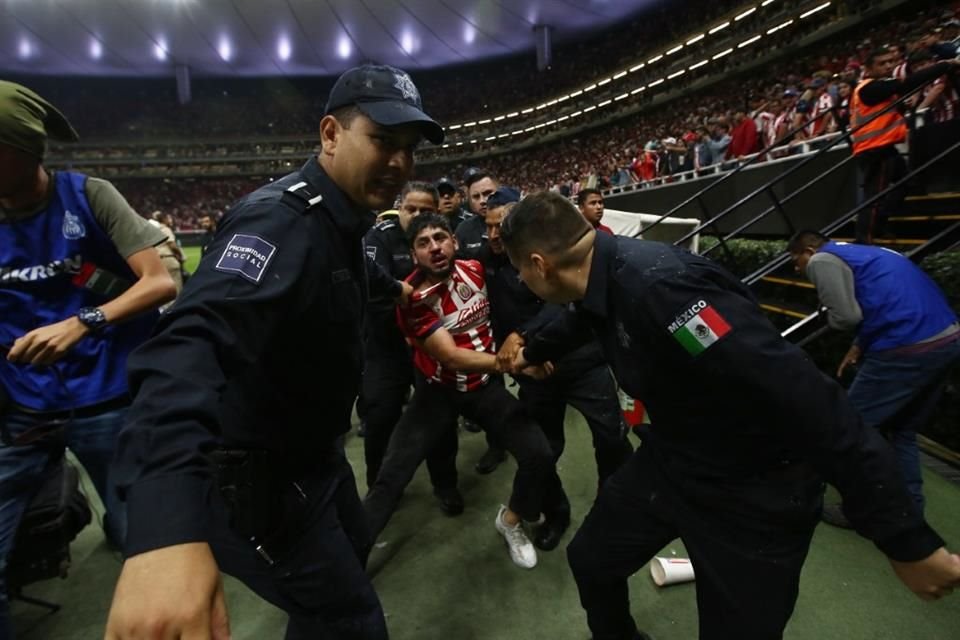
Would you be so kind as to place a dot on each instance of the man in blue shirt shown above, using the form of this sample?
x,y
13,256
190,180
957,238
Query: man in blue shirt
x,y
745,430
79,276
907,340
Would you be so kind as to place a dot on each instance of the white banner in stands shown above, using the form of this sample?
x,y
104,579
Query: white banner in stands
x,y
625,223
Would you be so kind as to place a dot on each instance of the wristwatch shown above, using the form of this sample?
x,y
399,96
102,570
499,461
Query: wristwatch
x,y
92,318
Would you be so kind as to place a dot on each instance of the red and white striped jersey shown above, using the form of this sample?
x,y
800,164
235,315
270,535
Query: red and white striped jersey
x,y
458,304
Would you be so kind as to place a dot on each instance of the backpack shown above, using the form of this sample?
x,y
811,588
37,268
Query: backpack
x,y
55,515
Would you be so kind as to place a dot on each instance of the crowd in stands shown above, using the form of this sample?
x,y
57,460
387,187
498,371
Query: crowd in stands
x,y
735,118
148,108
718,124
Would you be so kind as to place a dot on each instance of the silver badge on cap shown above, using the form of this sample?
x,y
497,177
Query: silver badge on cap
x,y
406,87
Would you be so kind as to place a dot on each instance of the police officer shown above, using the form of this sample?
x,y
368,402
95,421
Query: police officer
x,y
79,281
230,459
450,203
580,379
388,367
472,234
745,431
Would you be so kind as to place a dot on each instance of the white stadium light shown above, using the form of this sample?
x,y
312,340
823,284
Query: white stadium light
x,y
674,50
748,41
160,49
96,49
224,49
696,39
344,47
719,27
744,14
723,53
814,10
24,49
284,48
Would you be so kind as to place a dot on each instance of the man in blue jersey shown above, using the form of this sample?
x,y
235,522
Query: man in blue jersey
x,y
78,275
907,340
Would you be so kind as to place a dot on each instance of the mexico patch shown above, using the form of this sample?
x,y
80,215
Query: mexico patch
x,y
246,255
698,327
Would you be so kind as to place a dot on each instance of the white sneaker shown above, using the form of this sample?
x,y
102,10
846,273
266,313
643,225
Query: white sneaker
x,y
521,549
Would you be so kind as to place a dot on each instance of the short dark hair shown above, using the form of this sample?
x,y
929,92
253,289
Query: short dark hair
x,y
586,193
427,221
415,186
346,115
806,239
477,177
876,53
544,222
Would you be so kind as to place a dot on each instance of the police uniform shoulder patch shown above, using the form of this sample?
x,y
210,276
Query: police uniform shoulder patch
x,y
246,255
383,225
698,327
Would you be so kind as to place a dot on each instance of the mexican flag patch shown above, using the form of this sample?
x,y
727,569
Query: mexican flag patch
x,y
698,327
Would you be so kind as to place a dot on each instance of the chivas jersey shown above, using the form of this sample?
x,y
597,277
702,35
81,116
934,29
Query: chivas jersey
x,y
458,304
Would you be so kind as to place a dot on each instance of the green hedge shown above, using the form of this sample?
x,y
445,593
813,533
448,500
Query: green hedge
x,y
944,268
745,256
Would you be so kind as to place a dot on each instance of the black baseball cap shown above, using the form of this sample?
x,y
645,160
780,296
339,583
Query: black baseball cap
x,y
445,184
384,94
502,196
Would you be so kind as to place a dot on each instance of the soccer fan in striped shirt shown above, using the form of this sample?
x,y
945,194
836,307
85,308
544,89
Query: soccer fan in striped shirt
x,y
448,322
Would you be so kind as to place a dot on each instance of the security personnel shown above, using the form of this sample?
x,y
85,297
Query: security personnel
x,y
231,457
580,379
907,340
877,133
472,234
388,361
80,281
450,203
745,432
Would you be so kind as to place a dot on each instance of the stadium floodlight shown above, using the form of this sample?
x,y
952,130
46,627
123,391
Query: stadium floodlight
x,y
674,50
604,81
513,114
470,124
499,118
696,39
619,75
814,10
719,27
722,53
779,26
698,65
638,90
485,121
96,49
604,103
528,110
655,59
576,93
638,67
749,41
655,83
744,14
622,96
454,127
676,74
590,88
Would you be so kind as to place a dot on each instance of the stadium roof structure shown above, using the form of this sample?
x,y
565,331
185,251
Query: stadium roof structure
x,y
280,37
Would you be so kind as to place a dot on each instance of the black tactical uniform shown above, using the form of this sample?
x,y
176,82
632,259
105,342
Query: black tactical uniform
x,y
580,378
242,397
388,370
458,217
745,432
471,237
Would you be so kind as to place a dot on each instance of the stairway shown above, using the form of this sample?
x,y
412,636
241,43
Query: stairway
x,y
929,223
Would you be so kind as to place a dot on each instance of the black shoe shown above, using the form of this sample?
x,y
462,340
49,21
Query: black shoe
x,y
470,425
451,502
549,534
490,460
833,514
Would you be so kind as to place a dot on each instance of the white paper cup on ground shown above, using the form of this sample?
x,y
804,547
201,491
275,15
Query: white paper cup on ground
x,y
666,571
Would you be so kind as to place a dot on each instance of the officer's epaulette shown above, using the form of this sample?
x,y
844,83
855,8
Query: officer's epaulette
x,y
302,196
384,225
